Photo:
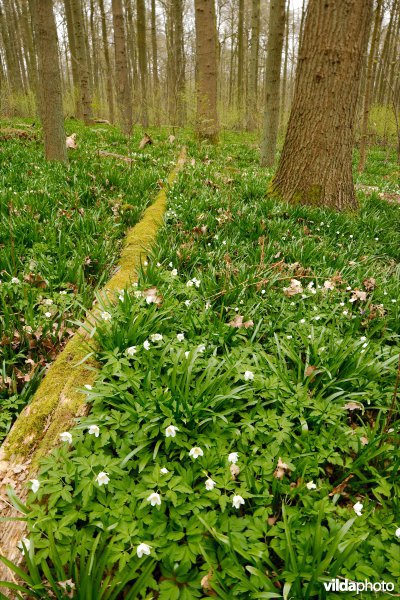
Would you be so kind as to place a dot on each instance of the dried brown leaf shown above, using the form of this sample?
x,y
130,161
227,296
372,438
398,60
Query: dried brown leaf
x,y
70,142
339,489
146,139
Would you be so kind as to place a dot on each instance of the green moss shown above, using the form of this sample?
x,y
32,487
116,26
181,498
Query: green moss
x,y
312,196
58,399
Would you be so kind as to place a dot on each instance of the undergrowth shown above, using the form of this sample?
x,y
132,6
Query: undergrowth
x,y
240,442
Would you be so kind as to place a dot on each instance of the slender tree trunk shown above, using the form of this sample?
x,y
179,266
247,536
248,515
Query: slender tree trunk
x,y
142,55
124,96
207,70
131,47
393,69
154,53
13,71
74,61
109,78
303,15
29,46
171,66
240,71
273,81
179,59
95,54
253,68
316,162
82,59
284,90
380,86
50,82
368,87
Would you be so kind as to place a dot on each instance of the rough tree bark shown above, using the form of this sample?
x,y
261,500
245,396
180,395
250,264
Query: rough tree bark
x,y
124,96
273,81
207,70
316,162
50,81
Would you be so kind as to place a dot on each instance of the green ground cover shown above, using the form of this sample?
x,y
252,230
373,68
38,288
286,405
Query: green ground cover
x,y
240,442
61,229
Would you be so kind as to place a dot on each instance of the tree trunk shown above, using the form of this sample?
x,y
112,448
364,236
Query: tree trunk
x,y
142,56
131,49
74,61
12,66
82,59
273,81
179,58
368,87
380,81
316,162
154,53
240,68
253,67
50,81
207,70
284,86
109,81
124,96
95,54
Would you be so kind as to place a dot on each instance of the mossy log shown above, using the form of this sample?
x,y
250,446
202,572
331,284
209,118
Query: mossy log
x,y
59,399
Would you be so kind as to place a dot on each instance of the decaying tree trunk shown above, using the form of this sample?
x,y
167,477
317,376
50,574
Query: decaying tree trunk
x,y
207,71
273,81
51,110
316,162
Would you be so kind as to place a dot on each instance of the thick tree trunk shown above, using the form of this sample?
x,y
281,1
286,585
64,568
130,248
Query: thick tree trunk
x,y
273,81
253,67
207,70
50,82
142,56
316,163
124,96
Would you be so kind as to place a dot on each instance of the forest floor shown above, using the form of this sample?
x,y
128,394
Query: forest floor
x,y
61,230
240,441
